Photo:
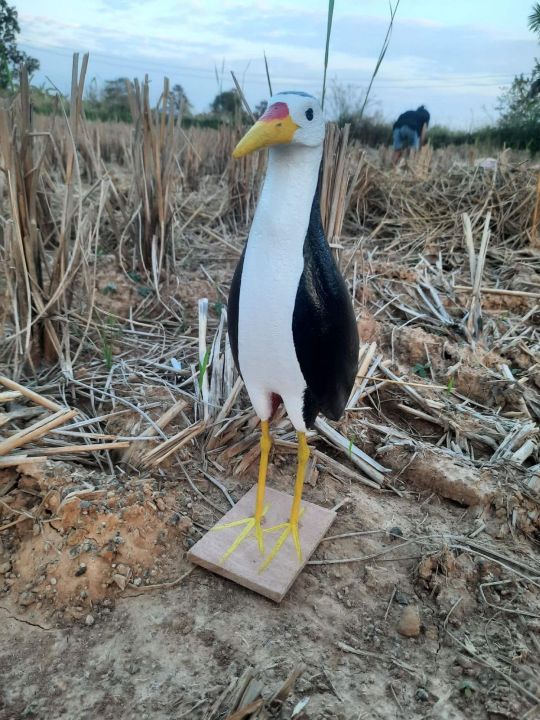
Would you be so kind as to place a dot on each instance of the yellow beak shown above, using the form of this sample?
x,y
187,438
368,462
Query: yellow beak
x,y
265,133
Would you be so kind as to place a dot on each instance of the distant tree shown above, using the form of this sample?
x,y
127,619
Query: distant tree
x,y
260,108
520,104
534,90
10,56
92,91
534,25
44,101
520,111
534,19
344,101
114,100
226,103
180,100
92,102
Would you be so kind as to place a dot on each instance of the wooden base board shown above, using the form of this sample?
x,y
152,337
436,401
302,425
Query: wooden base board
x,y
244,563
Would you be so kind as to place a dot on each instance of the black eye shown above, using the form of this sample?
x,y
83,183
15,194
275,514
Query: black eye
x,y
309,114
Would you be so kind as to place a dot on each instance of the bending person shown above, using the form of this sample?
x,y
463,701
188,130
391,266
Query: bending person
x,y
409,132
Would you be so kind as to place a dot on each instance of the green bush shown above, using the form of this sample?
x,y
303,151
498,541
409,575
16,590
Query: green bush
x,y
43,102
371,131
524,135
519,106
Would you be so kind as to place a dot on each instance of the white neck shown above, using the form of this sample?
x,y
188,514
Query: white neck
x,y
282,215
271,273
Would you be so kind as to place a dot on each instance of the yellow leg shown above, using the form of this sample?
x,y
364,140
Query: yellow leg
x,y
253,523
303,457
266,444
291,527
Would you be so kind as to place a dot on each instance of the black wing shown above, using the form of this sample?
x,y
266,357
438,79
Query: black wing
x,y
324,327
232,309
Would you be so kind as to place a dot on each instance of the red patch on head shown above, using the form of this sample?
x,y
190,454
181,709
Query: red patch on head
x,y
277,111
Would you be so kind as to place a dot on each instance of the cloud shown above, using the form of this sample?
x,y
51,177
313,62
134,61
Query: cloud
x,y
458,67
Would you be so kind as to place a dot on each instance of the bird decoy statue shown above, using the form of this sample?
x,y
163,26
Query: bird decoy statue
x,y
292,326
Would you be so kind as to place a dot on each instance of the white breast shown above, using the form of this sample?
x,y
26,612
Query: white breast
x,y
273,265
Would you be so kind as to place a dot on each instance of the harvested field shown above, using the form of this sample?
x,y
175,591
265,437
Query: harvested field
x,y
126,433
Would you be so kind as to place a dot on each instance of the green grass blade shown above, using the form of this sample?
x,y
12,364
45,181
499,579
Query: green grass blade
x,y
327,49
268,74
384,48
203,368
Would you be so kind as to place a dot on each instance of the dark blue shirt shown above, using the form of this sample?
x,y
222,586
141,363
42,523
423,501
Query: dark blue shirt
x,y
415,119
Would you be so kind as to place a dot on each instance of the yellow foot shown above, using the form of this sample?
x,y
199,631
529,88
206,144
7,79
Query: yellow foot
x,y
287,528
251,523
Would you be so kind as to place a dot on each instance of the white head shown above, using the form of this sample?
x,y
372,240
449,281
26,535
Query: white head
x,y
293,118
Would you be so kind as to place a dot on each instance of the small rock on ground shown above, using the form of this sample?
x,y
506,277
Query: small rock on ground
x,y
409,622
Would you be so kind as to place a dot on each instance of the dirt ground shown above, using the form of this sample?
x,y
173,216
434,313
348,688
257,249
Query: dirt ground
x,y
422,602
168,653
85,634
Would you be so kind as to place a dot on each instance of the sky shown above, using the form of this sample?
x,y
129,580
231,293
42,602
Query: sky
x,y
455,57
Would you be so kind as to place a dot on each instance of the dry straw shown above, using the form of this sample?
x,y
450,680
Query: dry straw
x,y
156,140
44,266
